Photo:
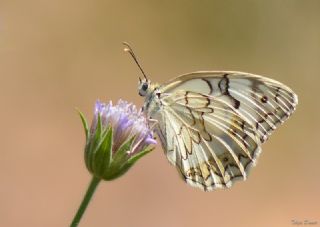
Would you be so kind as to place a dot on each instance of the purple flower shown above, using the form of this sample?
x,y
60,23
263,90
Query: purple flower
x,y
126,121
119,135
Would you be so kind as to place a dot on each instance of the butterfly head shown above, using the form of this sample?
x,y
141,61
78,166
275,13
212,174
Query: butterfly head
x,y
144,87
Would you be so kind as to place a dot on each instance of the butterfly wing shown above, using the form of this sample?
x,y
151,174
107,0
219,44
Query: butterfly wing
x,y
264,103
210,144
211,124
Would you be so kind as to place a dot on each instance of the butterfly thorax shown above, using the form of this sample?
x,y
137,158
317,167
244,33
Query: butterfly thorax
x,y
152,93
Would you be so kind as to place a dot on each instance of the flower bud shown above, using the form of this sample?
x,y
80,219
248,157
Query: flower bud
x,y
119,136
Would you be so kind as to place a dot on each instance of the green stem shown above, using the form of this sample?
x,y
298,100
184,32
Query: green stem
x,y
92,187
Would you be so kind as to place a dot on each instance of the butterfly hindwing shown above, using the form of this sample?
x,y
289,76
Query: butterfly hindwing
x,y
210,144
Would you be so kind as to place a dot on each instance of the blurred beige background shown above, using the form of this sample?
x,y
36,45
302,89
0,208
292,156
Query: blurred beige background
x,y
58,55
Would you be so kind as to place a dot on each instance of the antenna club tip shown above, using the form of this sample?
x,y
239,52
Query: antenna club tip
x,y
127,47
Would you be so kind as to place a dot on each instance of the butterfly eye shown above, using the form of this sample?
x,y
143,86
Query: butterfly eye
x,y
143,89
145,86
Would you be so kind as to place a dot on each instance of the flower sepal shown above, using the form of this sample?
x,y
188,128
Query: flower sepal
x,y
98,149
123,160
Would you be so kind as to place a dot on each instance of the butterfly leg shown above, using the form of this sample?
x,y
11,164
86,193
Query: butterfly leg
x,y
152,123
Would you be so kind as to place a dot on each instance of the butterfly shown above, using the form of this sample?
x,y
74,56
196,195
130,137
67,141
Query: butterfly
x,y
212,124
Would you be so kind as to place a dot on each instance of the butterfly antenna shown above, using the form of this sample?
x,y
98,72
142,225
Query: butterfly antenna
x,y
130,51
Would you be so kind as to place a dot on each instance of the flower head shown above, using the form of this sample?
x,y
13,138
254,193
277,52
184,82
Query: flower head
x,y
119,135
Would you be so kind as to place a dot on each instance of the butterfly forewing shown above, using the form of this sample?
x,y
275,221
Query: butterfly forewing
x,y
211,124
263,102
